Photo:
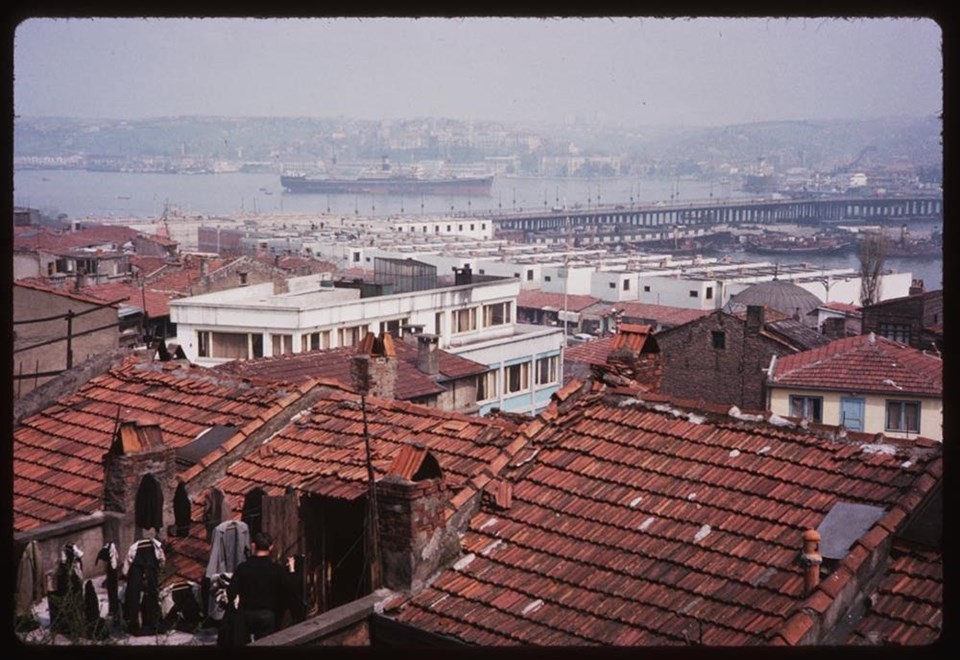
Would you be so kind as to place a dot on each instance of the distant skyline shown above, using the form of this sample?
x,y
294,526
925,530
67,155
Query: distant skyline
x,y
638,71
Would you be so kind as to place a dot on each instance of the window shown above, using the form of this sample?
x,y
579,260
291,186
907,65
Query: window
x,y
465,320
350,336
424,229
719,339
393,327
612,285
315,341
448,229
203,343
356,256
693,293
438,323
459,227
626,285
496,314
529,275
546,278
646,288
487,386
517,275
709,295
807,407
282,344
896,332
547,370
903,416
517,378
436,229
471,226
483,227
256,344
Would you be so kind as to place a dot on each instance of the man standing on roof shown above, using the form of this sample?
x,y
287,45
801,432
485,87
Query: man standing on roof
x,y
261,585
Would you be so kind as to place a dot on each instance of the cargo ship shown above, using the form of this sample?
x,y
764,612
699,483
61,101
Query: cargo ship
x,y
386,180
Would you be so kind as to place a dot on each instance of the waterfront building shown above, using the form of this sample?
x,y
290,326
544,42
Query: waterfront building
x,y
474,318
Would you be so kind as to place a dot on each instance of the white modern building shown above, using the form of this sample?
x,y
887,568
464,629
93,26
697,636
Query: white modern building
x,y
474,318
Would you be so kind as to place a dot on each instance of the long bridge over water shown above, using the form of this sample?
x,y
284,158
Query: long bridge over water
x,y
729,211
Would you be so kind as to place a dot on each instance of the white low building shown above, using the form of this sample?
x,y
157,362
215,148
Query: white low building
x,y
475,318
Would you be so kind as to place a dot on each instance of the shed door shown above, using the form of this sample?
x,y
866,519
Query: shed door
x,y
851,413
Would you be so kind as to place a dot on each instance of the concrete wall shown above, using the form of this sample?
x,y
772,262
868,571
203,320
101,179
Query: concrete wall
x,y
875,409
676,292
31,304
577,281
234,312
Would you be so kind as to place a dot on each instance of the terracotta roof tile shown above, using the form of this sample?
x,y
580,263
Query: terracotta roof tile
x,y
907,606
632,525
538,299
334,364
58,452
864,363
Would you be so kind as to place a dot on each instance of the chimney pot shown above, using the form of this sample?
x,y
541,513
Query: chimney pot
x,y
428,359
811,560
755,314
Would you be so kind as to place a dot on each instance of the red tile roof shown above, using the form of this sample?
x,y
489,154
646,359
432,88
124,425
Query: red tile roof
x,y
542,300
863,363
49,240
58,452
632,525
907,606
323,450
42,284
665,315
157,302
631,337
178,278
334,364
846,308
591,352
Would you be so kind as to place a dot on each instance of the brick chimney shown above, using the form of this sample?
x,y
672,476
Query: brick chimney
x,y
137,459
428,359
916,287
754,319
414,540
835,327
811,560
374,369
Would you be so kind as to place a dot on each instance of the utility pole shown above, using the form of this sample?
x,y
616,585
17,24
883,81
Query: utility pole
x,y
360,376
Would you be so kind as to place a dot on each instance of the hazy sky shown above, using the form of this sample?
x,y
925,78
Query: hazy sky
x,y
644,71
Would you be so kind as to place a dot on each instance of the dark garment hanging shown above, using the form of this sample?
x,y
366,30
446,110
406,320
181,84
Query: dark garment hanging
x,y
142,598
96,626
185,615
233,629
66,601
148,507
108,555
216,509
181,510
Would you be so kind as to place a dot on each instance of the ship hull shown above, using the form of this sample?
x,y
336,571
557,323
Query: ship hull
x,y
475,186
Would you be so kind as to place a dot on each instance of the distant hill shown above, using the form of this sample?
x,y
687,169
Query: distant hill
x,y
817,144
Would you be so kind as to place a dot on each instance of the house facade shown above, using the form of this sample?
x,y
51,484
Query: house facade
x,y
866,383
722,358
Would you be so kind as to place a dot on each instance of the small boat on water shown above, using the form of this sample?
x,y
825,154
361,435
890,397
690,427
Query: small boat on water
x,y
799,245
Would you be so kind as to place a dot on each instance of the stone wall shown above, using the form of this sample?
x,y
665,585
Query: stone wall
x,y
734,375
414,541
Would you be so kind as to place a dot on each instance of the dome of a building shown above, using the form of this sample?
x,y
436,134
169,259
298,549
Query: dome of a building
x,y
786,297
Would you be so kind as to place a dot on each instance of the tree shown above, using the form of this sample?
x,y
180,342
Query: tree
x,y
872,254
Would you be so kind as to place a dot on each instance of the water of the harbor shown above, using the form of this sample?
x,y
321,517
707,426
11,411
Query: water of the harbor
x,y
81,194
